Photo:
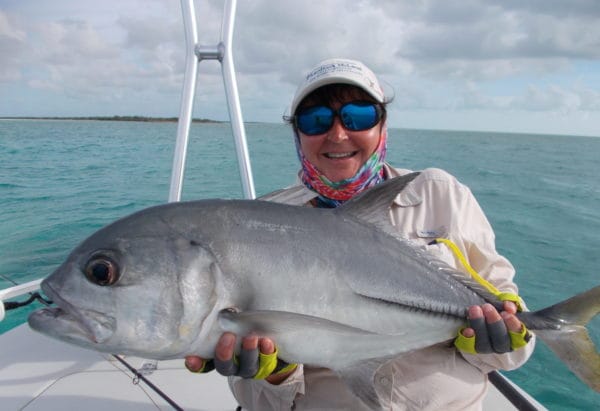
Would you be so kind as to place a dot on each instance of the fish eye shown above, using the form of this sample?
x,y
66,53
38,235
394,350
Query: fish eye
x,y
102,271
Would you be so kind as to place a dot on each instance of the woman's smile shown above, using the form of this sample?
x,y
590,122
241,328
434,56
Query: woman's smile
x,y
340,156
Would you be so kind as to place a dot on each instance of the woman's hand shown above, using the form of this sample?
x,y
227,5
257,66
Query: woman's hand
x,y
248,365
491,328
491,316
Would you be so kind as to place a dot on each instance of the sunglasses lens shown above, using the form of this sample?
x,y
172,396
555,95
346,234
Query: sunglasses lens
x,y
359,116
356,116
315,120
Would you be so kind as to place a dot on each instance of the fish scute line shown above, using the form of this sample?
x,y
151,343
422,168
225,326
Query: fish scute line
x,y
447,311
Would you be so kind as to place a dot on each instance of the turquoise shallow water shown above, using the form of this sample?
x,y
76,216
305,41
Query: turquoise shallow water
x,y
62,180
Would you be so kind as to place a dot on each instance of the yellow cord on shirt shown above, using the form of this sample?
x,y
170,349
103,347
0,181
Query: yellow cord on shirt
x,y
486,284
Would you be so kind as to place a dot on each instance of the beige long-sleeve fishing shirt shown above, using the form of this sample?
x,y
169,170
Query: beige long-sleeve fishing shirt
x,y
434,205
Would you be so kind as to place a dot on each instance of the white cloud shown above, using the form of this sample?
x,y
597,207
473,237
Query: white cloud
x,y
13,42
558,99
435,54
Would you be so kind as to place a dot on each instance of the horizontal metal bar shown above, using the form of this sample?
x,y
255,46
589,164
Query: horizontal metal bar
x,y
20,289
16,291
210,52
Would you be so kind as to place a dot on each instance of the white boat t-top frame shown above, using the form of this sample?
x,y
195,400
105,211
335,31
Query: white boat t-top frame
x,y
196,53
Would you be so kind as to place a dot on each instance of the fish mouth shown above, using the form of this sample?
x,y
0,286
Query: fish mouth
x,y
67,322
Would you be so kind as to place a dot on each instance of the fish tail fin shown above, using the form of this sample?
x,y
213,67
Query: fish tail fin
x,y
565,333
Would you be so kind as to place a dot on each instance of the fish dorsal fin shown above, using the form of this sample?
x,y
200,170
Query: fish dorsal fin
x,y
298,194
373,205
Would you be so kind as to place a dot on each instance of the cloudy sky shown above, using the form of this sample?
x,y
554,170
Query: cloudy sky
x,y
511,65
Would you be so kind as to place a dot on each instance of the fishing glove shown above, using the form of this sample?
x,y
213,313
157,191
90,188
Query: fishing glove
x,y
488,338
253,364
249,364
491,338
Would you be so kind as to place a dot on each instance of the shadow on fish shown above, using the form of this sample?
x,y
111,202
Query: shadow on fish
x,y
159,284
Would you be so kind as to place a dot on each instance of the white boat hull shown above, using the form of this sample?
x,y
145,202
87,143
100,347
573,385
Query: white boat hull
x,y
38,373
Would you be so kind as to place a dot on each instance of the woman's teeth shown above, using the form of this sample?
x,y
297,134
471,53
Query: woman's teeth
x,y
340,155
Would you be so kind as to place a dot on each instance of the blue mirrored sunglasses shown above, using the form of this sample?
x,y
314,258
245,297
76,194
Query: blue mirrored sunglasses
x,y
354,116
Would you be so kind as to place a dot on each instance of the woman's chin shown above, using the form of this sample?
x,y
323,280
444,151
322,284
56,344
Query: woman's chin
x,y
336,178
340,170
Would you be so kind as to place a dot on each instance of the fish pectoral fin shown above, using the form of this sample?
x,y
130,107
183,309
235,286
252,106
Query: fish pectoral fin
x,y
313,340
360,378
267,323
297,336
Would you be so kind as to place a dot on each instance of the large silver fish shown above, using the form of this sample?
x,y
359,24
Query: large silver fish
x,y
334,288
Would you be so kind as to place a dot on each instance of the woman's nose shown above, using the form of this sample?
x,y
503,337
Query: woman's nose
x,y
337,132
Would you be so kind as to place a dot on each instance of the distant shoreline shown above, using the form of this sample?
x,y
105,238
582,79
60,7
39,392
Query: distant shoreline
x,y
209,121
115,118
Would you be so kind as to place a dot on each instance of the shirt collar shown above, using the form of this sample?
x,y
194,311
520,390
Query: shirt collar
x,y
407,198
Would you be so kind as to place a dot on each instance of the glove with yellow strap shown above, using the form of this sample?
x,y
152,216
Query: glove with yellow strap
x,y
249,364
253,364
489,337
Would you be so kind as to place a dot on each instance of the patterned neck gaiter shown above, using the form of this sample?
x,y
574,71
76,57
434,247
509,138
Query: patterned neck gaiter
x,y
332,194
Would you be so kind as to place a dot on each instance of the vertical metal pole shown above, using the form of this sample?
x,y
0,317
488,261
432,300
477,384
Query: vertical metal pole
x,y
187,99
233,100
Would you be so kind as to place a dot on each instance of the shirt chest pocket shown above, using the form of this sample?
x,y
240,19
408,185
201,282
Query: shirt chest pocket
x,y
438,251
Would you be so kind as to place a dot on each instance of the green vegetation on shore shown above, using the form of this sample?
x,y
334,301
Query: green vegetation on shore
x,y
113,118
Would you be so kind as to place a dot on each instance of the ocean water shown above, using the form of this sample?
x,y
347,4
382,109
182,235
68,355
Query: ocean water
x,y
62,180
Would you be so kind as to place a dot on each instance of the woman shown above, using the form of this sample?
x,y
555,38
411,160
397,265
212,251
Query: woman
x,y
339,122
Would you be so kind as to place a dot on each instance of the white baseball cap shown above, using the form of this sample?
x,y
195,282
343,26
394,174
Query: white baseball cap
x,y
336,71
